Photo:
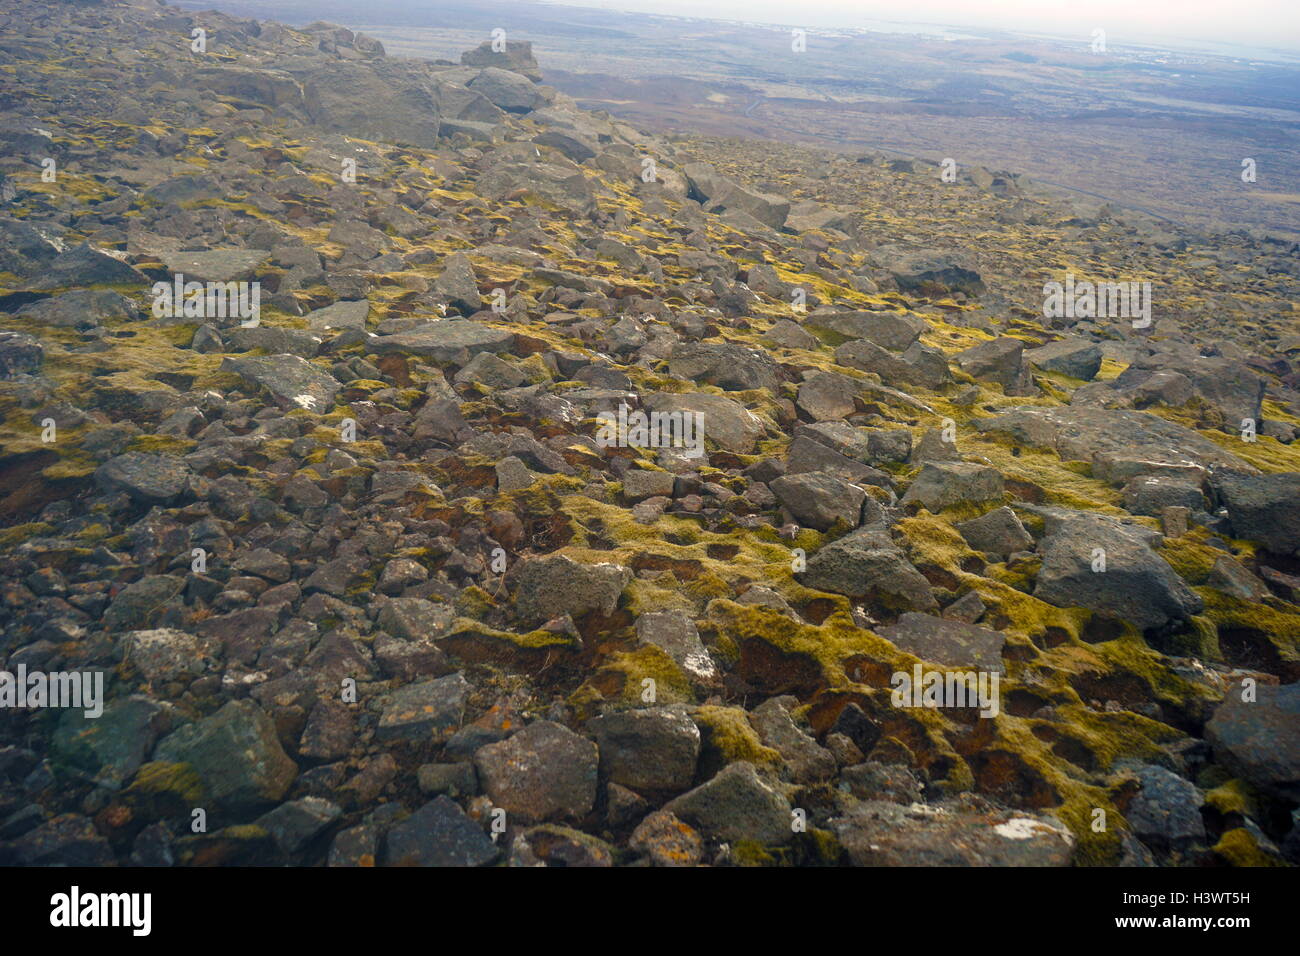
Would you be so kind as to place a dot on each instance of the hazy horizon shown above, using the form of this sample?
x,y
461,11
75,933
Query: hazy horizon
x,y
1207,24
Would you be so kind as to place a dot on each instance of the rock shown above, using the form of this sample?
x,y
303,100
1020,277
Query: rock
x,y
555,585
730,367
237,755
997,532
674,633
141,603
86,265
294,825
215,265
736,805
427,710
667,841
329,732
947,642
415,619
340,315
1231,577
438,834
650,751
726,422
1075,357
20,354
452,779
1152,494
80,309
878,833
1263,508
450,340
868,565
291,379
517,57
508,91
148,479
824,397
945,484
544,772
807,455
639,485
1119,444
389,101
718,194
820,500
1257,740
886,330
111,747
917,365
1137,584
65,840
164,654
1000,361
805,759
486,369
929,272
459,284
1165,813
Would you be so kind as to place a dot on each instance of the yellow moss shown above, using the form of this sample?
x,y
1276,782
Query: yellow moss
x,y
1234,797
1238,848
162,445
16,535
727,732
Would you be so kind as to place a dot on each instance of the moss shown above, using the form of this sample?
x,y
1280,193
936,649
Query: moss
x,y
752,853
164,789
16,535
1239,848
1234,797
162,445
727,735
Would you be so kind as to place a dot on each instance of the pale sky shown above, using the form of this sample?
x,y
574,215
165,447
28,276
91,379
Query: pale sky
x,y
1270,23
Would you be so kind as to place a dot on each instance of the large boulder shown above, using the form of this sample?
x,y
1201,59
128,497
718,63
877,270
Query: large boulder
x,y
1118,443
880,833
516,57
719,194
730,367
942,484
291,379
237,755
1259,739
556,584
544,772
1263,508
1111,569
868,565
819,500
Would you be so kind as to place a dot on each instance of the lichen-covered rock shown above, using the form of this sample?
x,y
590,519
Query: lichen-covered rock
x,y
544,772
237,756
556,584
